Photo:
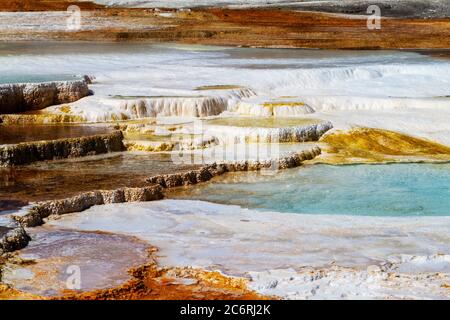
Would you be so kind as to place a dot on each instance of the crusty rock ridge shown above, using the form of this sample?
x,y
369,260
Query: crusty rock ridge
x,y
303,133
207,172
20,97
24,153
35,215
14,239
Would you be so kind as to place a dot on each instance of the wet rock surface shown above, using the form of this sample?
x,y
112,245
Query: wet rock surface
x,y
3,231
296,133
35,216
24,153
54,254
42,181
12,238
130,271
207,172
35,96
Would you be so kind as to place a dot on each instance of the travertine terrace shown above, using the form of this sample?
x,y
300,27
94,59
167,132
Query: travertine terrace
x,y
224,149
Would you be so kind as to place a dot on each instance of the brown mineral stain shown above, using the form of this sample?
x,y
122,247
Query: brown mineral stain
x,y
218,87
254,27
45,5
40,117
152,283
8,293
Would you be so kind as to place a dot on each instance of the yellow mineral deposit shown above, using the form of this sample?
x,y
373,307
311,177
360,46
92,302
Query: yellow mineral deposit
x,y
376,145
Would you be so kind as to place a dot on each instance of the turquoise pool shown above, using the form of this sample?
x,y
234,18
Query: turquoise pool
x,y
374,190
36,78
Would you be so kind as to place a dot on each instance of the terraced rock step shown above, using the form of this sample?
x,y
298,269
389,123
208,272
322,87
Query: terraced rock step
x,y
305,132
119,108
42,181
227,130
206,173
21,97
12,134
38,119
34,216
171,144
24,153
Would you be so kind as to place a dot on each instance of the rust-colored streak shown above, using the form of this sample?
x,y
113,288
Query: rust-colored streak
x,y
247,27
151,283
45,5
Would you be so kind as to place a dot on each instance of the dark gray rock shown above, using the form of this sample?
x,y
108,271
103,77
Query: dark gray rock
x,y
20,97
24,153
35,216
206,173
13,239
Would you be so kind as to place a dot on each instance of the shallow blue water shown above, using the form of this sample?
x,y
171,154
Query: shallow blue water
x,y
376,190
36,78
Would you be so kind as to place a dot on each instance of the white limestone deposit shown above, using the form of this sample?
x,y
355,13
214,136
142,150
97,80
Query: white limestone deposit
x,y
400,91
172,143
277,108
99,110
349,283
251,134
290,255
